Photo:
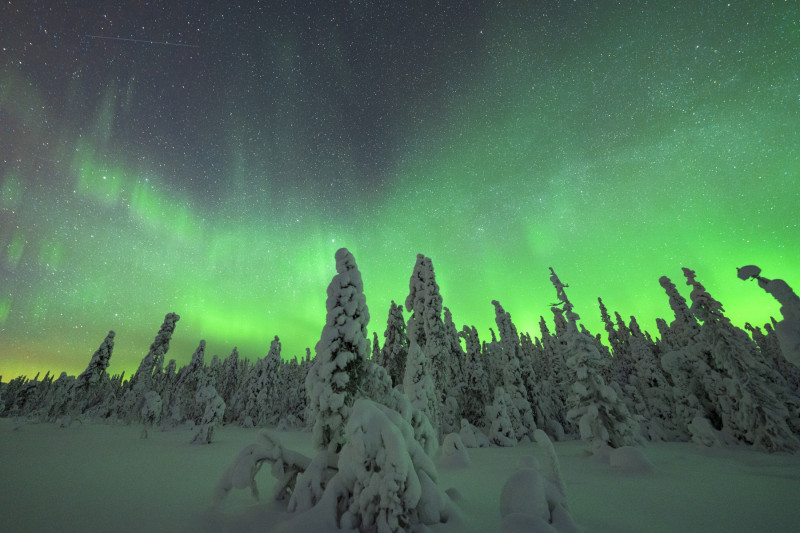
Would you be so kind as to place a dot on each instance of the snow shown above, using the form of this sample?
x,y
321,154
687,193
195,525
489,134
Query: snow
x,y
90,477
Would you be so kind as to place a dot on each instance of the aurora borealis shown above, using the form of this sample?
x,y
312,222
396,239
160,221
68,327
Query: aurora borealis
x,y
209,160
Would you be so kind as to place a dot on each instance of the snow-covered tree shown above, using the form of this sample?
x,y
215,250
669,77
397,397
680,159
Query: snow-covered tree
x,y
419,388
271,388
92,385
395,345
140,383
476,390
752,408
182,405
498,421
650,381
335,379
212,407
684,328
515,383
386,482
425,326
788,329
600,414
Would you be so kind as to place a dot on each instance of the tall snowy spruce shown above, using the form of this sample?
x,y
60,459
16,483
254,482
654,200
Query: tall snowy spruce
x,y
750,396
334,381
419,388
787,330
395,345
425,325
93,384
137,404
600,414
515,382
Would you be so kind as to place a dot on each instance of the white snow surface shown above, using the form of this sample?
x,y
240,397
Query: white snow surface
x,y
91,477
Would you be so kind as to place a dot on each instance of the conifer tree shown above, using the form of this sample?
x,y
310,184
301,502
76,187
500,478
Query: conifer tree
x,y
270,387
92,385
499,423
684,328
750,410
395,345
141,382
335,379
787,330
419,388
596,408
425,326
183,406
476,391
514,382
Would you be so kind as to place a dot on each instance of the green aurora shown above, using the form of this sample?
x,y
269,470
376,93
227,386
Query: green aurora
x,y
616,148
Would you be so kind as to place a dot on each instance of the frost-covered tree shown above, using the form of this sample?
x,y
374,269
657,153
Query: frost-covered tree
x,y
751,396
476,390
182,405
456,357
425,325
395,345
386,482
212,408
788,329
651,383
498,421
515,383
419,388
271,388
684,328
600,414
616,338
335,379
771,350
150,413
92,386
231,376
141,382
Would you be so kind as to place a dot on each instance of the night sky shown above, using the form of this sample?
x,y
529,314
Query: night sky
x,y
208,158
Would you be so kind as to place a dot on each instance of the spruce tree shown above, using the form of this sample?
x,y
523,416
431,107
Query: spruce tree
x,y
476,391
335,379
514,381
421,392
395,345
596,408
92,385
425,326
752,408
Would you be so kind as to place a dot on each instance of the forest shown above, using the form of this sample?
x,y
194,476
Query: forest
x,y
379,410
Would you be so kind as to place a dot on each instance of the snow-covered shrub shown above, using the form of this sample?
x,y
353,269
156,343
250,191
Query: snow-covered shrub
x,y
501,430
533,497
386,481
213,408
150,412
453,453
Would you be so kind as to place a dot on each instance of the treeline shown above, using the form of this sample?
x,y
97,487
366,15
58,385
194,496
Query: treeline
x,y
702,379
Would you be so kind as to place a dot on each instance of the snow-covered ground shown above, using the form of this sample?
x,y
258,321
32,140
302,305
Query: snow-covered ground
x,y
105,478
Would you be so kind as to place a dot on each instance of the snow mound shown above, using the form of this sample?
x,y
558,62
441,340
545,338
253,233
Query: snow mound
x,y
453,453
530,502
524,523
630,459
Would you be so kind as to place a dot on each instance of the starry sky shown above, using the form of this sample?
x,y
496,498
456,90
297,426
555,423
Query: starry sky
x,y
209,158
